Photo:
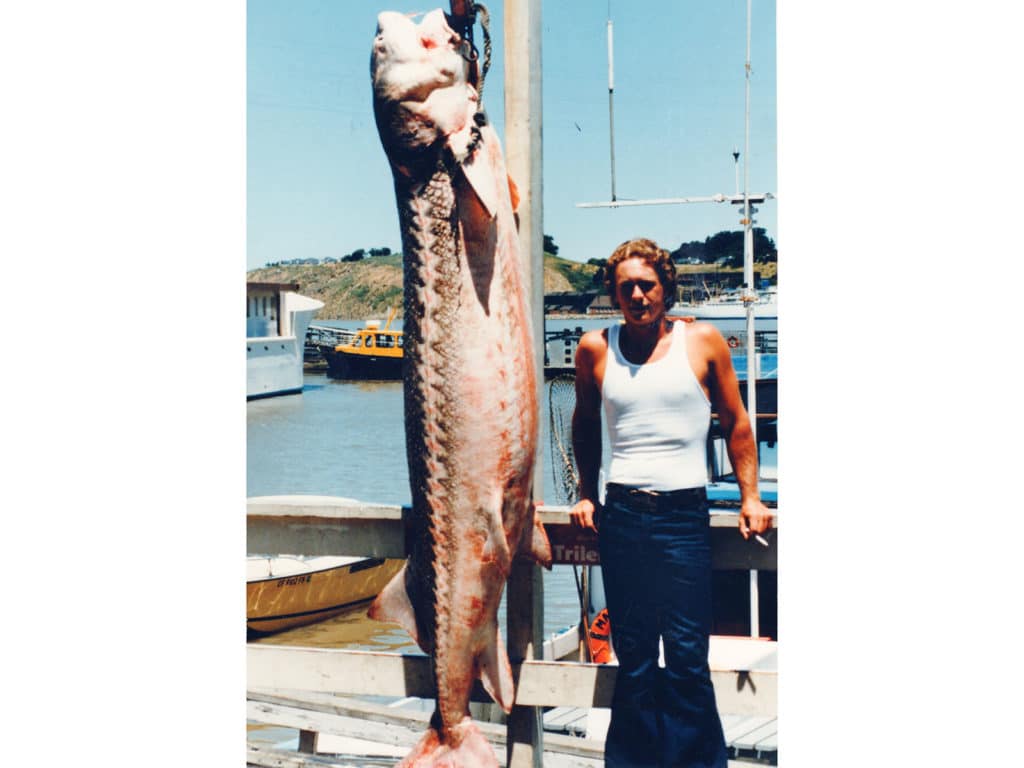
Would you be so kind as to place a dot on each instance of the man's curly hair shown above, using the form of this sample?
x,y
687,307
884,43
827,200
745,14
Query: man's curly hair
x,y
648,250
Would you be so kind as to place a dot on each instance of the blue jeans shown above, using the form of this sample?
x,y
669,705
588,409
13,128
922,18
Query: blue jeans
x,y
656,561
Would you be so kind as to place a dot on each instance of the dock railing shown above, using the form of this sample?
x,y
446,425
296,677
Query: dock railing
x,y
326,525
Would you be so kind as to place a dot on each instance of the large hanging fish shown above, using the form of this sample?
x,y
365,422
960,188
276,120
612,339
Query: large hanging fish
x,y
470,399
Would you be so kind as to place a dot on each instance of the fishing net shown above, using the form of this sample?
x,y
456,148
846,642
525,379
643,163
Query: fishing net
x,y
595,635
561,402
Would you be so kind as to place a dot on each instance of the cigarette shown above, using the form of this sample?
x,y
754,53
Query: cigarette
x,y
760,540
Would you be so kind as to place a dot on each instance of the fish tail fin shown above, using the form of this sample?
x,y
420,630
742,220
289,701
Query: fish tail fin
x,y
464,747
393,605
496,672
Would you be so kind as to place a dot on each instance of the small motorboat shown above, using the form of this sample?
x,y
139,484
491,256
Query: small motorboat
x,y
286,591
374,353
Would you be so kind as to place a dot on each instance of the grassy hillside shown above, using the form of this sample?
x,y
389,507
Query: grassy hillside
x,y
362,289
575,276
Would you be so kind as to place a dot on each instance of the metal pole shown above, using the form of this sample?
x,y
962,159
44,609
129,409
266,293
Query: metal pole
x,y
748,250
525,746
611,109
748,276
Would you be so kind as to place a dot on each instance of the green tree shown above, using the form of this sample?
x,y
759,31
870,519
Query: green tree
x,y
549,245
729,245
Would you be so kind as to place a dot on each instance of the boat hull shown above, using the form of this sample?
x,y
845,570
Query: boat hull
x,y
273,367
274,360
342,365
302,596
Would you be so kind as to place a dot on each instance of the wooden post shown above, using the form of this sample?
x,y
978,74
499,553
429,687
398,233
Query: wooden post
x,y
525,746
307,742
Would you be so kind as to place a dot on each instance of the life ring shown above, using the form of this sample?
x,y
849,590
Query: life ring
x,y
733,342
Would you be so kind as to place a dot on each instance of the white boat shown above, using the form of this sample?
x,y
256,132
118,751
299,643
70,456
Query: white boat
x,y
730,306
276,319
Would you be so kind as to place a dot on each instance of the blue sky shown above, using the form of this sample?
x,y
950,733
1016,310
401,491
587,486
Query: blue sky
x,y
318,183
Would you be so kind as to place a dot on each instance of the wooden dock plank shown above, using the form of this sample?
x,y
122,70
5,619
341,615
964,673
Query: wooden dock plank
x,y
540,683
260,757
392,726
561,715
330,525
397,733
266,757
572,720
321,525
729,720
345,716
743,727
751,739
769,743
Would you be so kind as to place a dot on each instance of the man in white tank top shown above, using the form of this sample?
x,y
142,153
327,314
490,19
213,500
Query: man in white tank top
x,y
658,382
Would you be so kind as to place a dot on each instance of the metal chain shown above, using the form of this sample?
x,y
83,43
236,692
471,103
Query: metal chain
x,y
470,54
485,25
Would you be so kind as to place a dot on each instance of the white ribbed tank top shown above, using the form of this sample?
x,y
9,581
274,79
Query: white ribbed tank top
x,y
658,418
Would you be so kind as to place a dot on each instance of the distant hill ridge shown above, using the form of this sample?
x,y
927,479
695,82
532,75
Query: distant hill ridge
x,y
353,290
358,289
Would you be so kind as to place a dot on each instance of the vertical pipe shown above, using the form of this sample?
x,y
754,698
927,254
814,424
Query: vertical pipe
x,y
525,746
748,246
748,276
755,606
611,109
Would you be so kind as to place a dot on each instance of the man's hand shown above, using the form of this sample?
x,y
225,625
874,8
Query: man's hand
x,y
584,514
754,517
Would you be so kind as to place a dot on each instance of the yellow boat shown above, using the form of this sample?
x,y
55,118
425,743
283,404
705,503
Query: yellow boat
x,y
374,353
288,591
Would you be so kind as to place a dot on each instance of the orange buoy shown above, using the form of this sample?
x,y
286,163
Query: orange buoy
x,y
599,638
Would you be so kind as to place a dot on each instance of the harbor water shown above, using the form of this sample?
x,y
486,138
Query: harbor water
x,y
346,438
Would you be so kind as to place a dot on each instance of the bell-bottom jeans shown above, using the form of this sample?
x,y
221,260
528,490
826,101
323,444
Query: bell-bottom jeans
x,y
656,562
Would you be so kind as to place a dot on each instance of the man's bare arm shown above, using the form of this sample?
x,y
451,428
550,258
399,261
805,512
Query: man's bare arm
x,y
739,437
586,428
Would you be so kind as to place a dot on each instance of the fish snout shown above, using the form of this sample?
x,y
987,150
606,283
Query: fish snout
x,y
389,21
400,31
396,33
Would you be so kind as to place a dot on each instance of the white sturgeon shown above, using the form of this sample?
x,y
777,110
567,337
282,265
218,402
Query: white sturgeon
x,y
469,376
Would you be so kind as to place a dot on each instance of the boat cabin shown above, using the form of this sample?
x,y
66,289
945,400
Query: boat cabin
x,y
373,340
266,309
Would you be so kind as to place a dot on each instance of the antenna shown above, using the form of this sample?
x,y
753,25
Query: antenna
x,y
611,92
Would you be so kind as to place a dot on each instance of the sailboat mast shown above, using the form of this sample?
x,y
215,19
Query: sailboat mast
x,y
611,108
748,251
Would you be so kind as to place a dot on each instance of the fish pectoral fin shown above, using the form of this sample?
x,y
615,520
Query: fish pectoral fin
x,y
513,193
535,543
476,164
496,672
496,551
393,605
